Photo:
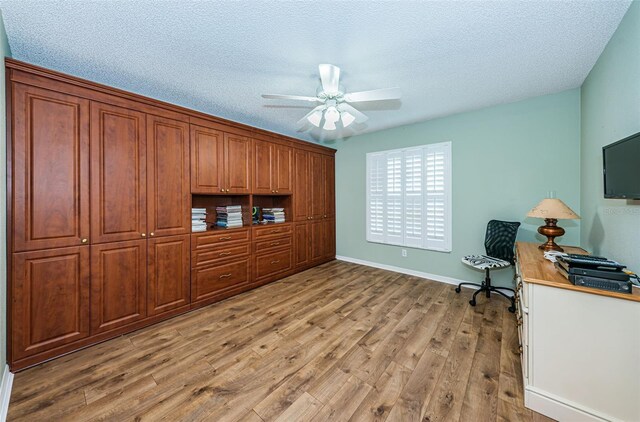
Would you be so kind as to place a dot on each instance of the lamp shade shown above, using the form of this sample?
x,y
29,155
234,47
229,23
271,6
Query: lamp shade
x,y
553,208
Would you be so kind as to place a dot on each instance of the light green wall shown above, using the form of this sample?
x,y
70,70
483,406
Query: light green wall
x,y
4,52
611,111
505,160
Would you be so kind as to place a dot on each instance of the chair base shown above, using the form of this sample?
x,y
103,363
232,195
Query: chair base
x,y
488,288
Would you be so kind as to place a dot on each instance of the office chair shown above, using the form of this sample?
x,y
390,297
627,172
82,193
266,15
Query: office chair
x,y
499,243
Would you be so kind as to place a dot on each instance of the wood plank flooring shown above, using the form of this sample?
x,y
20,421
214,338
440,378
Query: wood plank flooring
x,y
338,342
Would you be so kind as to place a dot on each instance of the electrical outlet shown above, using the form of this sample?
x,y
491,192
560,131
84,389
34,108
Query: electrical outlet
x,y
404,253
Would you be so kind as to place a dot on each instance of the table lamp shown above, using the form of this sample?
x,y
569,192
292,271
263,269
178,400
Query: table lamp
x,y
552,210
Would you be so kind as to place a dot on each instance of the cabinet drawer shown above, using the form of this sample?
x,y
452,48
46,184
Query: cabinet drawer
x,y
220,254
268,244
271,231
273,263
210,281
216,237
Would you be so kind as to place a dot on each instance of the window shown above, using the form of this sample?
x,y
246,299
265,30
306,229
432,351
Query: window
x,y
409,197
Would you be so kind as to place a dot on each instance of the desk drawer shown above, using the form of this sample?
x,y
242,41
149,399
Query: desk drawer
x,y
273,263
220,254
210,281
275,243
216,237
271,230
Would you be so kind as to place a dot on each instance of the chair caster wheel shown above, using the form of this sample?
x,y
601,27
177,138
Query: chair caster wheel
x,y
512,309
457,289
472,302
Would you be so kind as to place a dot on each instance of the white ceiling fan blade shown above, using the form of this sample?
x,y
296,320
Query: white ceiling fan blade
x,y
374,95
330,76
359,117
290,97
314,116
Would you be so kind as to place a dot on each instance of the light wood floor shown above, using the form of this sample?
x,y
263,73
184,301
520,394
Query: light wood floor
x,y
338,342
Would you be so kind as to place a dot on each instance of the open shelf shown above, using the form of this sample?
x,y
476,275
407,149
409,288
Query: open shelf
x,y
210,202
274,201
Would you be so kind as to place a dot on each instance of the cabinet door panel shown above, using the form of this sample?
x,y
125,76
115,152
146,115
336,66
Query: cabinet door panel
x,y
317,240
301,251
238,163
50,140
118,174
207,160
282,169
168,274
316,178
302,190
328,170
50,299
118,284
169,196
262,181
329,240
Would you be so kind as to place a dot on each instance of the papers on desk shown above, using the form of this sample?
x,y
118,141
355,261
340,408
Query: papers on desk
x,y
553,255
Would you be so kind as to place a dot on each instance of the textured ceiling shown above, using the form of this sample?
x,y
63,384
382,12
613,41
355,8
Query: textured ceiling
x,y
219,56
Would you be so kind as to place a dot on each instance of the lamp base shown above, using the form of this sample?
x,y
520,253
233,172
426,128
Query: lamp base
x,y
551,231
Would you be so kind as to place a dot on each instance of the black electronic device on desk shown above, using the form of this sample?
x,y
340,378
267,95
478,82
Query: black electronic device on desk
x,y
595,272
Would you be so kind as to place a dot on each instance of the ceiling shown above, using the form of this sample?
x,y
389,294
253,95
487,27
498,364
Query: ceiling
x,y
219,56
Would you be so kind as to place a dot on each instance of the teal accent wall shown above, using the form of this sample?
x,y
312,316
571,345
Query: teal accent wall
x,y
5,51
611,111
505,160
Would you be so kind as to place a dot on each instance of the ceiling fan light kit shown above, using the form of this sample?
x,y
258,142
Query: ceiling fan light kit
x,y
335,105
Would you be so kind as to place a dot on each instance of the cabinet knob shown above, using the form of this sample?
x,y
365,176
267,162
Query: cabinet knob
x,y
324,216
151,234
227,190
84,240
144,235
276,191
222,190
520,349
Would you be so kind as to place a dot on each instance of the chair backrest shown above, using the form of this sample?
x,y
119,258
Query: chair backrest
x,y
501,239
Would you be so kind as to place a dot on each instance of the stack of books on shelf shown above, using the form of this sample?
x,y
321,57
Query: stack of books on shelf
x,y
198,217
273,215
229,216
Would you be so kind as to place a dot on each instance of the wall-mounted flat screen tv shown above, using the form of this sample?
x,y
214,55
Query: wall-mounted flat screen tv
x,y
622,168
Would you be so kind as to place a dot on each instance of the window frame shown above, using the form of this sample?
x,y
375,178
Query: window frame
x,y
377,213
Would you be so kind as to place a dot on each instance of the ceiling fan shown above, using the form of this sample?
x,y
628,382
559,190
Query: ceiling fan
x,y
334,101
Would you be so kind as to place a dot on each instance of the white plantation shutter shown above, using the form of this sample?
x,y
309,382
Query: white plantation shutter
x,y
409,197
414,197
394,208
376,188
437,196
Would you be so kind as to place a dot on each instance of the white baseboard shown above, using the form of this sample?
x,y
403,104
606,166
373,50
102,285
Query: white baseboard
x,y
435,277
560,410
5,393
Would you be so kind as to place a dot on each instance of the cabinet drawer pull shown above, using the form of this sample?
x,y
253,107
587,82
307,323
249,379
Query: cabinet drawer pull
x,y
275,262
274,231
274,243
225,275
225,253
226,238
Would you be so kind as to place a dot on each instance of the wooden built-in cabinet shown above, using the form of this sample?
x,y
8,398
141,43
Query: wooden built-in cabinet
x,y
221,162
49,300
49,172
118,284
273,173
100,189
